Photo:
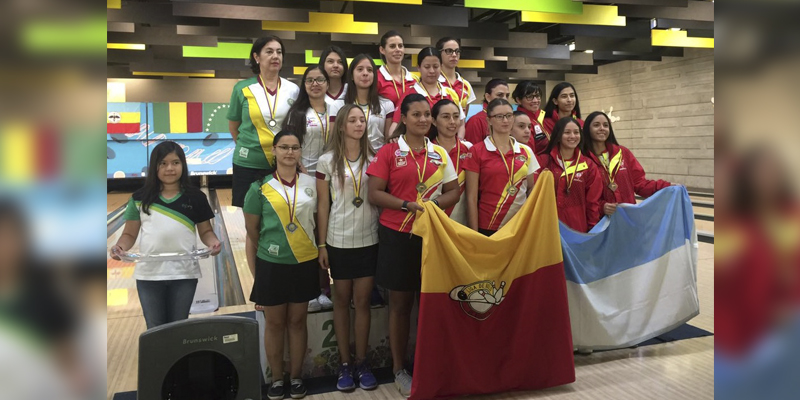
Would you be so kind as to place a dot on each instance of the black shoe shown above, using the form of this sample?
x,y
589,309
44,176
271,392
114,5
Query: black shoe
x,y
298,390
276,391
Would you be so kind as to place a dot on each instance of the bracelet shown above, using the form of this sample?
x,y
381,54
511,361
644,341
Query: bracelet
x,y
322,245
404,207
436,202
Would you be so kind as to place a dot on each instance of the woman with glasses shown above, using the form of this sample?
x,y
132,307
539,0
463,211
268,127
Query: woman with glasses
x,y
529,98
348,236
405,174
334,63
477,126
623,176
450,50
362,90
394,80
563,102
577,180
257,109
499,173
429,62
310,119
279,215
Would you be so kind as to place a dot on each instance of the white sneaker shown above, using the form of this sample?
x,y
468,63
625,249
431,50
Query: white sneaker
x,y
402,379
325,302
314,306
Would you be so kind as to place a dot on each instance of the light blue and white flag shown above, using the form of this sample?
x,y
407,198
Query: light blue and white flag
x,y
634,276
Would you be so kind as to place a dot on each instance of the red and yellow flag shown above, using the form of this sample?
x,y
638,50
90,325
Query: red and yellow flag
x,y
123,122
493,311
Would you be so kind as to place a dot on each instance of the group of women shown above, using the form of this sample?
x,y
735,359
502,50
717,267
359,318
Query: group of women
x,y
332,173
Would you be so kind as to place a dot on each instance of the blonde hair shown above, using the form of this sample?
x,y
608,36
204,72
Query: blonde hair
x,y
336,146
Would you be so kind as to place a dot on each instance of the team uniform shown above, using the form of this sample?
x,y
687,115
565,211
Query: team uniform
x,y
477,127
339,96
255,107
540,138
444,93
400,253
394,91
462,89
458,155
498,199
286,264
170,228
352,237
623,176
578,188
317,130
376,120
550,121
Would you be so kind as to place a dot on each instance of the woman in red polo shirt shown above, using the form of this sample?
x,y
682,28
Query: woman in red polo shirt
x,y
623,176
450,49
499,173
577,180
403,175
563,102
477,127
394,80
429,62
444,132
529,98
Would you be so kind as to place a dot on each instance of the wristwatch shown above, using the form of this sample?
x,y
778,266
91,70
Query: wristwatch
x,y
436,202
404,207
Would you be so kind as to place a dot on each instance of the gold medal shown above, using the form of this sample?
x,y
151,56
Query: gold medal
x,y
291,227
358,201
613,186
421,187
512,190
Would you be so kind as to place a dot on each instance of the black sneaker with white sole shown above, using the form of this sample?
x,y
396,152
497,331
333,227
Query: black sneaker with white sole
x,y
298,389
276,391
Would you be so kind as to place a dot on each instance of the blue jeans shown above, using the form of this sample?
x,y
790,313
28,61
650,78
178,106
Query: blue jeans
x,y
166,301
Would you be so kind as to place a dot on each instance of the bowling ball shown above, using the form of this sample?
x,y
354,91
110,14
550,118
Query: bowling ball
x,y
210,139
110,154
119,137
462,295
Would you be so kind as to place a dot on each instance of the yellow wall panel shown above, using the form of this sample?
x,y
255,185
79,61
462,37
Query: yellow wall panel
x,y
670,38
592,15
324,22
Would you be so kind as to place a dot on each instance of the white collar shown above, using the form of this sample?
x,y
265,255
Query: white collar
x,y
387,76
401,142
443,79
491,147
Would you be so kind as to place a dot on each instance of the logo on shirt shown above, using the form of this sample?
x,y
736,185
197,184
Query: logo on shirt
x,y
537,129
465,156
290,102
309,192
400,153
273,249
243,152
478,299
522,158
434,156
400,162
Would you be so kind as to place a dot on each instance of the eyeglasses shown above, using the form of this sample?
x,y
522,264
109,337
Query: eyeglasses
x,y
531,97
500,117
450,52
288,149
319,81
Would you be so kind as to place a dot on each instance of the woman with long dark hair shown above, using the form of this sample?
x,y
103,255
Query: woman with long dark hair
x,y
334,63
257,110
563,102
578,184
404,174
477,126
167,211
499,173
348,236
279,216
444,132
623,176
394,79
528,97
362,90
309,117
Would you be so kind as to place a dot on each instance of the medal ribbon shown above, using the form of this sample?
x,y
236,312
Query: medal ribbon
x,y
324,126
463,88
274,104
612,172
424,163
356,188
566,169
509,169
293,204
402,69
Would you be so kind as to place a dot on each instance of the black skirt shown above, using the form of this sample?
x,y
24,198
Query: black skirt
x,y
399,260
352,263
277,284
242,178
